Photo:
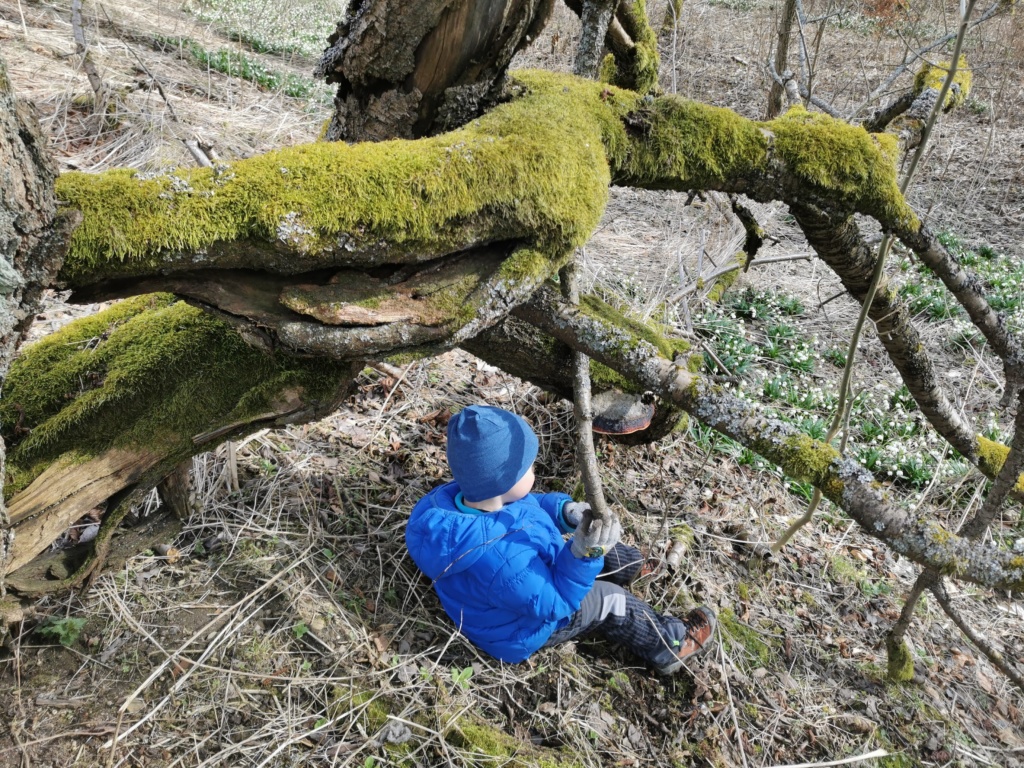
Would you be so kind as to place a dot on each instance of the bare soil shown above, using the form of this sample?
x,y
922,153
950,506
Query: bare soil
x,y
293,628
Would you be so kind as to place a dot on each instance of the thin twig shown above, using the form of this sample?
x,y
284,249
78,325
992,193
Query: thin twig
x,y
917,56
82,47
979,640
874,755
585,453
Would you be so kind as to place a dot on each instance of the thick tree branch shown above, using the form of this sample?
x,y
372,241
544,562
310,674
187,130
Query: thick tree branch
x,y
841,480
121,398
900,663
525,351
33,242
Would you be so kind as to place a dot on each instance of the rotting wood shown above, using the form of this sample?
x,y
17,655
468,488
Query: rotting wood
x,y
34,578
64,493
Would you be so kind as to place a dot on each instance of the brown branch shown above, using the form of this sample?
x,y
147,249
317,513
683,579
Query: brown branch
x,y
781,55
970,292
885,115
788,80
82,47
983,644
841,480
842,247
585,453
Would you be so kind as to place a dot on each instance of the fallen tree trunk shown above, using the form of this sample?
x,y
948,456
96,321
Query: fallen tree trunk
x,y
119,399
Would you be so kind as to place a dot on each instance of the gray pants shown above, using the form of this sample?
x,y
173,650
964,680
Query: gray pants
x,y
611,612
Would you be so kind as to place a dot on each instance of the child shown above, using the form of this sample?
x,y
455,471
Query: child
x,y
496,556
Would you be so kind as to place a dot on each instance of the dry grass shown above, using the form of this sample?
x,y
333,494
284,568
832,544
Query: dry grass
x,y
295,630
144,126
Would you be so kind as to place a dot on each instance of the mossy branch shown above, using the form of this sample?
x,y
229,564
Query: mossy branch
x,y
841,480
534,169
531,170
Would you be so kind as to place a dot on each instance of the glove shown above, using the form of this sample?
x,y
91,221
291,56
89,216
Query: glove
x,y
572,515
594,537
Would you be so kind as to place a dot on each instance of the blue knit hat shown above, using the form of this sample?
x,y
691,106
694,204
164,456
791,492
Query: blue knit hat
x,y
489,450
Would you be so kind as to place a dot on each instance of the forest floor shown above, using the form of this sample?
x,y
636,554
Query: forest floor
x,y
289,627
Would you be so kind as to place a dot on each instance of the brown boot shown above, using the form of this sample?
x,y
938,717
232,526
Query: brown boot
x,y
688,636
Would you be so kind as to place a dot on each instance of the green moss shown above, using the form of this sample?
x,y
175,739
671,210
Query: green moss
x,y
900,666
736,633
602,377
638,70
843,162
683,534
451,302
634,330
845,570
608,71
531,264
723,283
536,168
934,75
370,709
533,167
673,10
371,302
411,356
687,145
149,372
743,591
991,457
490,746
810,461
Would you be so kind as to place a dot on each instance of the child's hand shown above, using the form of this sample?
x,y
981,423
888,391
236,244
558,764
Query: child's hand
x,y
594,537
572,513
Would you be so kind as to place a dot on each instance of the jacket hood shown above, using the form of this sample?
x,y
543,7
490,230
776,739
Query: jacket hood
x,y
444,539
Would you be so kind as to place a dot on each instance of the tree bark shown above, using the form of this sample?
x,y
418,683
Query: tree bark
x,y
527,352
777,90
595,17
32,243
406,70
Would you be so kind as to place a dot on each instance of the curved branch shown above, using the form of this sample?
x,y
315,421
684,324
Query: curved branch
x,y
1001,663
843,249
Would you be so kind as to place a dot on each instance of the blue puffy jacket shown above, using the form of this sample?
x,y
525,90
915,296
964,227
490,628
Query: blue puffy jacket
x,y
507,578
